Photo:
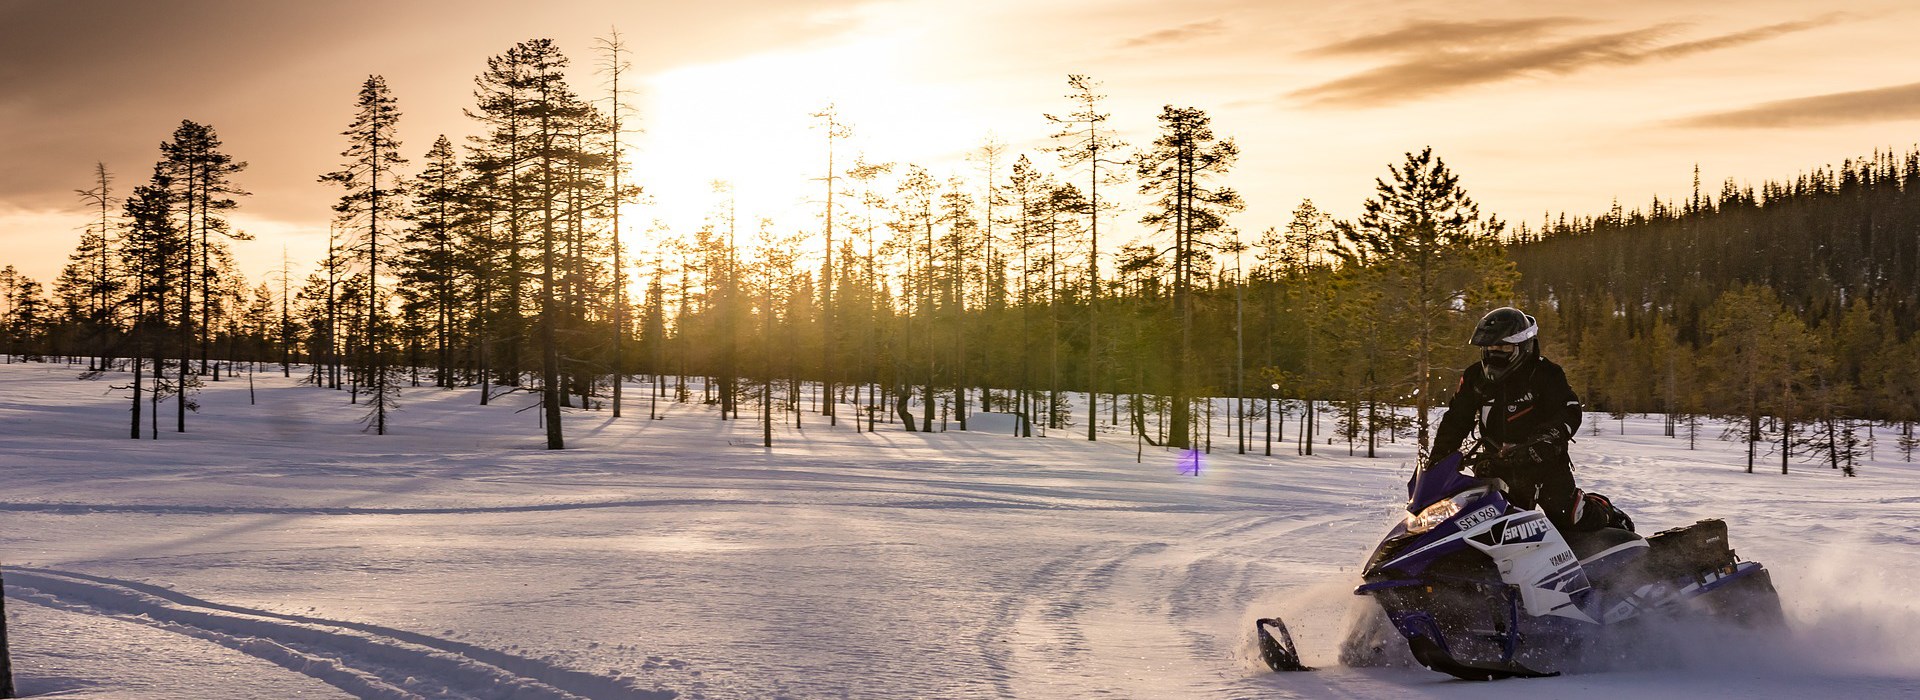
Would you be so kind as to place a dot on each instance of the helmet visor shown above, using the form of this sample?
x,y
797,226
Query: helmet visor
x,y
1499,356
1523,336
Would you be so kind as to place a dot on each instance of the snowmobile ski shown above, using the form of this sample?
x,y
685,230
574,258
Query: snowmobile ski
x,y
1276,646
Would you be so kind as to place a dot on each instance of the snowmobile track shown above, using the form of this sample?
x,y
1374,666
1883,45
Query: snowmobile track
x,y
365,660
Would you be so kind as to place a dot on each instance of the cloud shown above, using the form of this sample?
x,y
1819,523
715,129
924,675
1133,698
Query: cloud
x,y
1446,71
1745,37
1441,57
1176,35
1879,104
1441,34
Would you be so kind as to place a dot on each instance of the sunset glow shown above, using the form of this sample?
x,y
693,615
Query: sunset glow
x,y
747,121
839,348
1542,108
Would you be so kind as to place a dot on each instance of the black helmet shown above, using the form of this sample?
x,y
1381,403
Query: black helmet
x,y
1506,326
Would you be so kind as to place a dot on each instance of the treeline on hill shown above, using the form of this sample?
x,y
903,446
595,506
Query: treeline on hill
x,y
913,296
1789,311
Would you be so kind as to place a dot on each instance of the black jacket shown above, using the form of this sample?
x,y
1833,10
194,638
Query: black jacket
x,y
1522,406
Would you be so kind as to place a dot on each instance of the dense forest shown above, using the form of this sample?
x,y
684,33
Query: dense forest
x,y
1783,316
1789,310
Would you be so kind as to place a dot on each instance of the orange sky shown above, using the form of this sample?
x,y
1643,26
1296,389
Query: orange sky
x,y
1538,105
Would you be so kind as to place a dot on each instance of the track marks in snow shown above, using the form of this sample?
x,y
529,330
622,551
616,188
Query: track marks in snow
x,y
1197,597
954,503
1038,628
368,661
995,641
1215,587
1066,611
162,509
1058,622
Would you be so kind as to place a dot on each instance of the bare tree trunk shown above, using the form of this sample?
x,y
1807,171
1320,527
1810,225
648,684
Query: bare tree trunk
x,y
137,362
186,355
6,656
549,344
1786,441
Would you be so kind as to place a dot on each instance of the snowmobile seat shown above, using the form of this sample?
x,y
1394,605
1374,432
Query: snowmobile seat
x,y
1606,549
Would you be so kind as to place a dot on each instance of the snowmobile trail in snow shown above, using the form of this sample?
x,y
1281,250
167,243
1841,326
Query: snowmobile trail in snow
x,y
156,509
368,661
1040,629
932,502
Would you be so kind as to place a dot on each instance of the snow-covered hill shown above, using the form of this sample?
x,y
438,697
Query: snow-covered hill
x,y
276,551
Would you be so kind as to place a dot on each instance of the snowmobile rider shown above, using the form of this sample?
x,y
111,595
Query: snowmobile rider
x,y
1526,413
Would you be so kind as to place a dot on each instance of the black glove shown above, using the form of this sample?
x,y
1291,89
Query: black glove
x,y
1555,435
1550,443
1509,461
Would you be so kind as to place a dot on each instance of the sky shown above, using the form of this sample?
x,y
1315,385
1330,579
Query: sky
x,y
1539,106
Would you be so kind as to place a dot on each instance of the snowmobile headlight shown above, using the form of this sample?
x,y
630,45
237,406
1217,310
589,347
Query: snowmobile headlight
x,y
1432,516
1437,513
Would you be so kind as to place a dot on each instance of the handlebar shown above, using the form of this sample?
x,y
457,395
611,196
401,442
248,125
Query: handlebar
x,y
1480,461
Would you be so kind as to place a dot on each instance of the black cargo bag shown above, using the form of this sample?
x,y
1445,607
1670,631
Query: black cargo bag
x,y
1694,550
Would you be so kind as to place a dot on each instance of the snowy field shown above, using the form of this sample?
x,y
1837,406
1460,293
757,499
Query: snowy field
x,y
276,551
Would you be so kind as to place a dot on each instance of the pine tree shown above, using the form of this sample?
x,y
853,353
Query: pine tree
x,y
1306,256
434,264
91,282
992,270
1175,173
315,314
370,207
1434,255
1084,140
960,245
913,227
834,130
614,64
154,251
1061,227
865,175
1754,340
1029,194
724,273
203,176
501,190
531,160
1893,376
285,331
28,318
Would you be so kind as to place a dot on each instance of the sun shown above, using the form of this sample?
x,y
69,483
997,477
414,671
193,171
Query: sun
x,y
749,121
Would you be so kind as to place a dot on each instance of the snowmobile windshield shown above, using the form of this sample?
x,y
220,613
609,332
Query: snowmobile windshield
x,y
1438,482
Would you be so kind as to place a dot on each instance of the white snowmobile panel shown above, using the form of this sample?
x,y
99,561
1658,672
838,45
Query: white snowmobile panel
x,y
1533,556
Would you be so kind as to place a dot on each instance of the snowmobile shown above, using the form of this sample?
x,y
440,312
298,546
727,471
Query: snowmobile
x,y
1482,590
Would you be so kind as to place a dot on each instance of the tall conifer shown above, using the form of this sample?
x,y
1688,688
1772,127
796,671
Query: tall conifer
x,y
369,209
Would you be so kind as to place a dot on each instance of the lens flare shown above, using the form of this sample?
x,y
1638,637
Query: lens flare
x,y
1190,463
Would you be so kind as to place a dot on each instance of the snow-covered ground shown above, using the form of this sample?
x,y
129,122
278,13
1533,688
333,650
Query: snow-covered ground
x,y
276,551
